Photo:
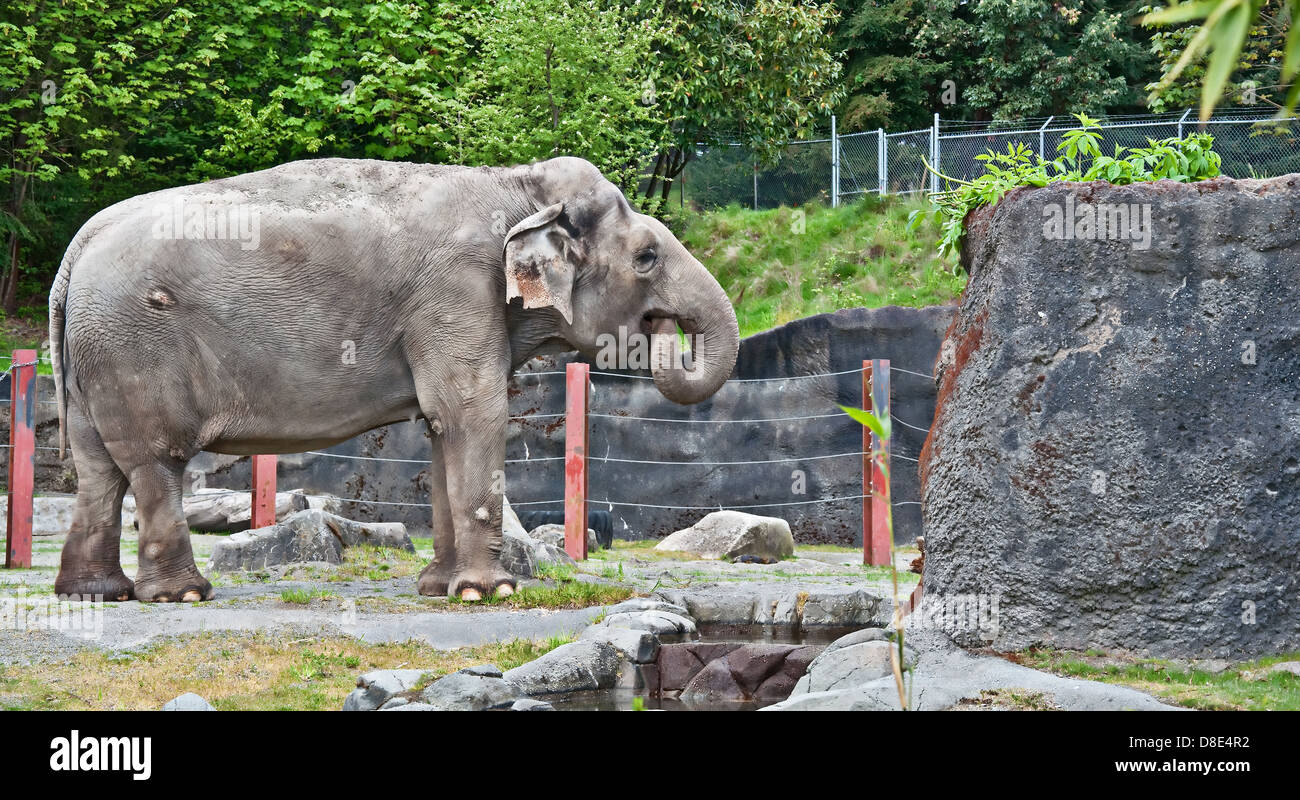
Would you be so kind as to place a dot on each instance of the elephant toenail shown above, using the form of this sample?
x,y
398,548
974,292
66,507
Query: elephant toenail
x,y
192,596
470,595
505,590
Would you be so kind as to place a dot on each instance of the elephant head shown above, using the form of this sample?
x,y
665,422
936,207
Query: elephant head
x,y
615,275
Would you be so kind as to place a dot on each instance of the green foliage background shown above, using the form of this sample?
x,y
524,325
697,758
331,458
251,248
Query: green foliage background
x,y
100,101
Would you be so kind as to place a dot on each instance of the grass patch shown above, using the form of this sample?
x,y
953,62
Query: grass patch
x,y
376,564
783,264
303,597
828,548
261,672
1183,685
642,549
566,594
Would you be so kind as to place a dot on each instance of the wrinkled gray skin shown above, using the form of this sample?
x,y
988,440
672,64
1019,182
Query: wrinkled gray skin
x,y
442,280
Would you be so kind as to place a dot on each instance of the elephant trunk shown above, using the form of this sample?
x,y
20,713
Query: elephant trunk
x,y
690,368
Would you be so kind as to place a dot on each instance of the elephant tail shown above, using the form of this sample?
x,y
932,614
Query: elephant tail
x,y
58,301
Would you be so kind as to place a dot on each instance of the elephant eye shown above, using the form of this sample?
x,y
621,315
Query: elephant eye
x,y
646,259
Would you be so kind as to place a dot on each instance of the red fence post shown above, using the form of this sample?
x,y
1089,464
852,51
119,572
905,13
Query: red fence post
x,y
22,459
263,491
866,466
577,393
876,511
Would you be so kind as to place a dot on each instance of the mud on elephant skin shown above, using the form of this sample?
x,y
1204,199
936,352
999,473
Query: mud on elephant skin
x,y
291,309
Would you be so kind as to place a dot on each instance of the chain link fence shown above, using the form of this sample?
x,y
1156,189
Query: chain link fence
x,y
846,166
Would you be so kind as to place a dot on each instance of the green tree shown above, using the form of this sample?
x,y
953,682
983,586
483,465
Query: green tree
x,y
890,83
80,83
760,72
1247,50
560,77
1022,58
358,79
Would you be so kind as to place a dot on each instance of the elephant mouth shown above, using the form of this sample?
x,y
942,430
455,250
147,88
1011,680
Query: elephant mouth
x,y
659,322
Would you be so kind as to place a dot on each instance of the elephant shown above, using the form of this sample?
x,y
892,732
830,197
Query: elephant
x,y
293,308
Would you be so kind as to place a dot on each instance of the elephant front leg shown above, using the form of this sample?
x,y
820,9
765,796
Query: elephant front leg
x,y
435,579
475,461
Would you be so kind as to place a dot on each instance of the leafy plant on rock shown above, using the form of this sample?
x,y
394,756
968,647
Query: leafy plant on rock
x,y
1079,158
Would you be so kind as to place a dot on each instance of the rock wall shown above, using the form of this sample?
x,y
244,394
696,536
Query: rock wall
x,y
1114,454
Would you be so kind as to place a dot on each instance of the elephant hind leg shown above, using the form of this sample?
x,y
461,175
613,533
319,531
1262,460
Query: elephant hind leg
x,y
167,572
90,564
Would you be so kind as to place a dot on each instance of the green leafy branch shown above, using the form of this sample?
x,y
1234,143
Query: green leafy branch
x,y
1079,158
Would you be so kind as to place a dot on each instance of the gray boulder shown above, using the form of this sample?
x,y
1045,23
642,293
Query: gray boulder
x,y
463,691
660,623
188,702
529,704
647,604
636,646
850,665
572,667
376,688
310,535
944,677
784,605
731,534
51,516
227,510
521,554
1075,473
510,520
554,536
410,707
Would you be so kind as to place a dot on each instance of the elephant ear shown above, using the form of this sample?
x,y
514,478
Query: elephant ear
x,y
541,258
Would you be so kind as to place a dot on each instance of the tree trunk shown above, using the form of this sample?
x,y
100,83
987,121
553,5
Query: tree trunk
x,y
11,278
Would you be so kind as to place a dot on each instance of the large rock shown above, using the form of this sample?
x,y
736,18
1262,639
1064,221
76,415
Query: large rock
x,y
1114,457
305,536
573,667
783,605
188,702
851,665
465,691
521,555
943,678
636,646
749,673
732,534
554,536
825,343
226,510
375,689
51,516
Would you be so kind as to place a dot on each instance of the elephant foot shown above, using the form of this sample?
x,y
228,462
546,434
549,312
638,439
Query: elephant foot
x,y
187,588
471,586
433,581
112,585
